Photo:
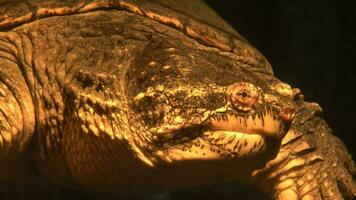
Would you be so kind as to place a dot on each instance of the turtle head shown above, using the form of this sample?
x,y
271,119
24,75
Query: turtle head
x,y
200,107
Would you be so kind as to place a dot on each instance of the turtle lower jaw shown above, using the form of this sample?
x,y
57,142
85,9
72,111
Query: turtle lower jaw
x,y
236,144
213,146
222,137
250,126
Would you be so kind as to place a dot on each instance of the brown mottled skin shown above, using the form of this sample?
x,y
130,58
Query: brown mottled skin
x,y
132,98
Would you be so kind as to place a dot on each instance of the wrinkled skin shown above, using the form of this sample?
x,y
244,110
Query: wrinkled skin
x,y
109,110
180,91
311,164
145,103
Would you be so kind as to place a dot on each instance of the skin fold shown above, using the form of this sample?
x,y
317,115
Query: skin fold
x,y
311,164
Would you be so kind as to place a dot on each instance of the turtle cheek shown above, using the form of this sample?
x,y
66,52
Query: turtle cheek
x,y
150,111
214,99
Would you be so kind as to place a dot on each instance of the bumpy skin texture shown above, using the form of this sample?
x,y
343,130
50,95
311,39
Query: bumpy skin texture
x,y
311,164
107,101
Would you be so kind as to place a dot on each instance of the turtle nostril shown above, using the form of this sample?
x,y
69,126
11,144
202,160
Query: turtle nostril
x,y
297,95
288,113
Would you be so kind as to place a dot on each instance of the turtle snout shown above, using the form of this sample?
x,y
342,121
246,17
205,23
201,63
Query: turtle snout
x,y
287,113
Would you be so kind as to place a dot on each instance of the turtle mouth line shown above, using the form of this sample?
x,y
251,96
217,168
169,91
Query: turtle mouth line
x,y
265,123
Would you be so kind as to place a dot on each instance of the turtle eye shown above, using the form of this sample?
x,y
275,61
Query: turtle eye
x,y
243,95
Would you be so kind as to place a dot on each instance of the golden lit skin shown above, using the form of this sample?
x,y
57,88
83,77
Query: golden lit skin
x,y
198,112
146,103
238,127
128,98
158,105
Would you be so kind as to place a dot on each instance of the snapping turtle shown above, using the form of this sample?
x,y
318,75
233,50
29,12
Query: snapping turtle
x,y
135,97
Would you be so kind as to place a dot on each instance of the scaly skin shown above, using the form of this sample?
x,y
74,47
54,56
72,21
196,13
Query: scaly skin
x,y
311,164
111,102
108,101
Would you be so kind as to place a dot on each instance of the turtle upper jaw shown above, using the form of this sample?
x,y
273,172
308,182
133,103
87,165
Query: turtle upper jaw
x,y
265,123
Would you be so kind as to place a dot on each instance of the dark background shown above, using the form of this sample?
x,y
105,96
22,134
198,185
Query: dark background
x,y
311,45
